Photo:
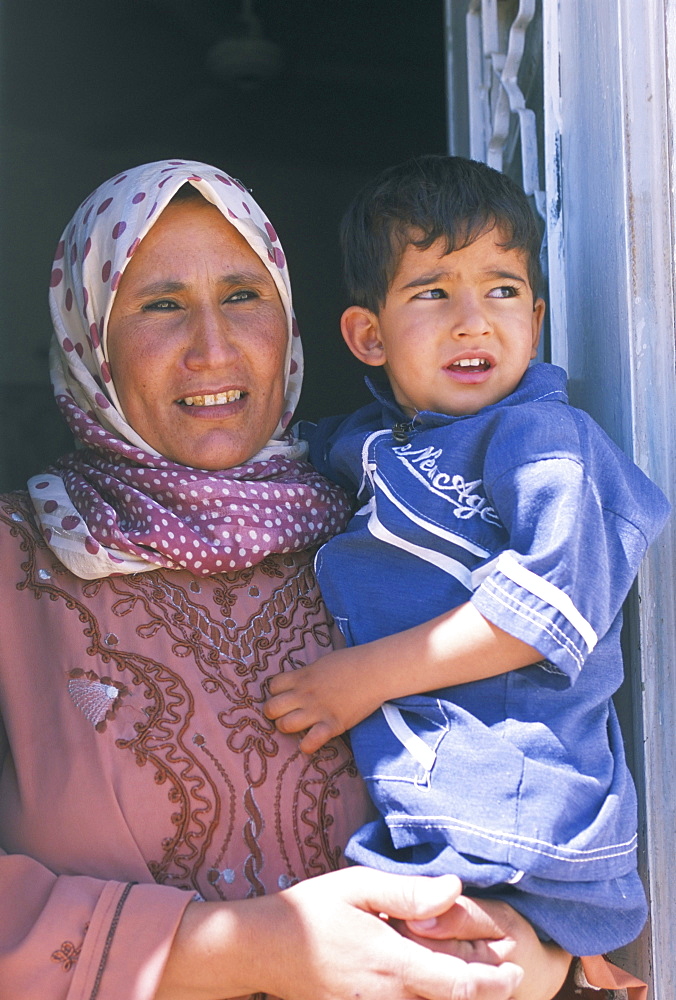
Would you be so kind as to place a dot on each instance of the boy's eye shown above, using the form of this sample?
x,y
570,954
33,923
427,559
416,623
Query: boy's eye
x,y
504,292
431,293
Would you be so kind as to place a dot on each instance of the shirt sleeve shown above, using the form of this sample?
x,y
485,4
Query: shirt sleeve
x,y
579,516
72,937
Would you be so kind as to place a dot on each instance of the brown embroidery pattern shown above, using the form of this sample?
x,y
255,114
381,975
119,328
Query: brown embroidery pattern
x,y
217,647
253,738
233,654
312,819
68,954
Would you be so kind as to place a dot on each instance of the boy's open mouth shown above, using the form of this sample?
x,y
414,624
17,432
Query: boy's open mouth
x,y
475,364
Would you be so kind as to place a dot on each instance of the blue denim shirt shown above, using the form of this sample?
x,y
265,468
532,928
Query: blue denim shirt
x,y
529,511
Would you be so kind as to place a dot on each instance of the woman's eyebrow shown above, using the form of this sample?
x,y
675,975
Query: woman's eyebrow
x,y
230,278
245,277
160,288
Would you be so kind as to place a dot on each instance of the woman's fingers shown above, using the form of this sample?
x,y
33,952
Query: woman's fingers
x,y
488,930
437,976
475,950
405,897
468,921
350,952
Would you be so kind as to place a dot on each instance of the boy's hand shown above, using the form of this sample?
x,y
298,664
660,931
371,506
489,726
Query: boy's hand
x,y
326,698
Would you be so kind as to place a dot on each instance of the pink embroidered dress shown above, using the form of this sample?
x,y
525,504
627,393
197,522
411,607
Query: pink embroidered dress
x,y
143,607
135,753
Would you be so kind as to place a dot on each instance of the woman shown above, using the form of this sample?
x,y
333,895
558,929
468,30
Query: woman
x,y
152,581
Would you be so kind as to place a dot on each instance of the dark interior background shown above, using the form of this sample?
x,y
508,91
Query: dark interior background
x,y
325,93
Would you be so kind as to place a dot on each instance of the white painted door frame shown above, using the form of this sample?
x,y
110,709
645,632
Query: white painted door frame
x,y
611,173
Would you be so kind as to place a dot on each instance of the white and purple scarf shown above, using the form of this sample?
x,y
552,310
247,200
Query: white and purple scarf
x,y
115,505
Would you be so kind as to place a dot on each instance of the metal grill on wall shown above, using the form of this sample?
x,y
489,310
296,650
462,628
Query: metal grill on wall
x,y
504,63
496,93
495,85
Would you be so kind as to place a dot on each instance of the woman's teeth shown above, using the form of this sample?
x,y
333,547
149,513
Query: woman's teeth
x,y
471,363
217,399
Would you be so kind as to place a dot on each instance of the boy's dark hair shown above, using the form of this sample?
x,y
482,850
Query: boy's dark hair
x,y
423,200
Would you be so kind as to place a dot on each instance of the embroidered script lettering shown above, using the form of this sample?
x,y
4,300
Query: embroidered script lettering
x,y
466,498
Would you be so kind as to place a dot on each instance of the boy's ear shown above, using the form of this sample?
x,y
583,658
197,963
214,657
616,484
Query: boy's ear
x,y
538,316
361,332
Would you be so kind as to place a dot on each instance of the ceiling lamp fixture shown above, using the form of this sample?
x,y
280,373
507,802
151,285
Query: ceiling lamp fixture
x,y
247,59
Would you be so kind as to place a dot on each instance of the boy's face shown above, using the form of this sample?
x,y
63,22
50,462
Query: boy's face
x,y
457,330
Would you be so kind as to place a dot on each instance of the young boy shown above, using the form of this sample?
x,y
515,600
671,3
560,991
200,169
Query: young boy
x,y
498,535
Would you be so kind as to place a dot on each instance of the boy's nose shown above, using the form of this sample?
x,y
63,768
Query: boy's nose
x,y
468,318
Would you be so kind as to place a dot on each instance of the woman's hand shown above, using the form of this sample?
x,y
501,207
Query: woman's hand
x,y
488,930
326,939
325,698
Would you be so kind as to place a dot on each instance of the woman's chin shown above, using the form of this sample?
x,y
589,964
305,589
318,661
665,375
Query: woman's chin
x,y
214,451
211,444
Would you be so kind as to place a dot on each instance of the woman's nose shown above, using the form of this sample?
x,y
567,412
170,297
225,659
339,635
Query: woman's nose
x,y
210,341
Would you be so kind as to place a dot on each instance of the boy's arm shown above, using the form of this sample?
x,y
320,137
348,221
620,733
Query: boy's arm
x,y
335,693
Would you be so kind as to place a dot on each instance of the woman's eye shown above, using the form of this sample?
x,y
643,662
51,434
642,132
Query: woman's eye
x,y
160,305
431,293
504,292
243,295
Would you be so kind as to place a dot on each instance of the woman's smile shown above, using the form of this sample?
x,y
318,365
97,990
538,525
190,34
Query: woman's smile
x,y
213,406
212,398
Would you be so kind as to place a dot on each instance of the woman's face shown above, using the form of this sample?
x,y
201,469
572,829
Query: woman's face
x,y
197,339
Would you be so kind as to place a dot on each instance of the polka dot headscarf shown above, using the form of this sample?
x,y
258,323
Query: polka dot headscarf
x,y
116,505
